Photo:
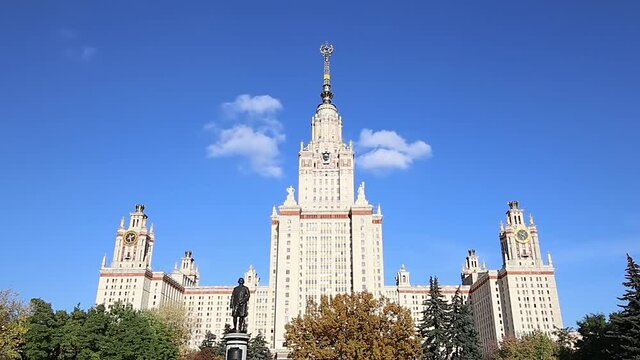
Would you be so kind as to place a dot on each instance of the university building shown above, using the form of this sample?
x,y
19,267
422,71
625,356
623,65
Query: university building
x,y
328,240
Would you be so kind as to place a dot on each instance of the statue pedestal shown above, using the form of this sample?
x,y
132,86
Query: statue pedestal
x,y
235,346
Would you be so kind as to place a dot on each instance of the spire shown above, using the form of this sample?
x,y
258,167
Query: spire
x,y
151,229
379,210
326,50
122,223
531,219
104,261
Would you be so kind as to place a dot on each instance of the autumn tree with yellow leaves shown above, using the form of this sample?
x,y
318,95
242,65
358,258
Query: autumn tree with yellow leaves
x,y
353,326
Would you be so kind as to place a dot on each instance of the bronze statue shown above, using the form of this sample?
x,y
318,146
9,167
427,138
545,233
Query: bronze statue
x,y
239,306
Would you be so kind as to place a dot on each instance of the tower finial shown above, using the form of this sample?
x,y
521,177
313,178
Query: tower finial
x,y
326,50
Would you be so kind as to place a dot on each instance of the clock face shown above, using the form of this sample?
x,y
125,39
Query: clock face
x,y
522,236
326,156
130,238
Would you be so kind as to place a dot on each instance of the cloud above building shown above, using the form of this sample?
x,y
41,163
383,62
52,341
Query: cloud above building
x,y
254,135
387,150
74,48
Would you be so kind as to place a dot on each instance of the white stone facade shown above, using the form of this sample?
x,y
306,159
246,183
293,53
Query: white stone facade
x,y
329,240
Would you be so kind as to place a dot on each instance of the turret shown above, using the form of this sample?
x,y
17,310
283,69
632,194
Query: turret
x,y
187,274
471,268
251,279
403,277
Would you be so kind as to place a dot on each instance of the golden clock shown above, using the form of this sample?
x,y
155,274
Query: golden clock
x,y
522,236
130,238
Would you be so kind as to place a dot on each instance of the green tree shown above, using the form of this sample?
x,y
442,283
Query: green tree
x,y
535,346
594,342
133,334
210,348
71,333
176,320
352,326
42,337
95,332
626,323
435,324
258,349
463,335
565,343
13,324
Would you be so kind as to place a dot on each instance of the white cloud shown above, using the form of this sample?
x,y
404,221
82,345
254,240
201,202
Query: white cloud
x,y
73,49
385,149
66,34
259,105
255,135
87,53
81,53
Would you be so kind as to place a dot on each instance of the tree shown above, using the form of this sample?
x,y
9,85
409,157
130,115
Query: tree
x,y
42,327
258,349
13,324
352,326
133,334
594,342
95,332
532,346
210,349
72,334
434,327
626,323
565,343
463,335
176,320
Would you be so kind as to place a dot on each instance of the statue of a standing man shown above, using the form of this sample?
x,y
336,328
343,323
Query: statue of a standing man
x,y
239,306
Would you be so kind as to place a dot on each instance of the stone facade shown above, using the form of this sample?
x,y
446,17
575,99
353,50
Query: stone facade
x,y
328,241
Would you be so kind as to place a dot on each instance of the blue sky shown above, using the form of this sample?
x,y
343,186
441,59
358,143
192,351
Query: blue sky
x,y
107,104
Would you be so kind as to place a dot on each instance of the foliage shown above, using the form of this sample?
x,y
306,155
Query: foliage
x,y
462,332
435,325
134,334
175,318
120,334
72,334
594,342
532,346
626,323
210,349
353,326
42,328
258,349
13,324
565,343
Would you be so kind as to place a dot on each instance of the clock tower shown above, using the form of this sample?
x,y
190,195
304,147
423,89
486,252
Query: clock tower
x,y
519,240
134,243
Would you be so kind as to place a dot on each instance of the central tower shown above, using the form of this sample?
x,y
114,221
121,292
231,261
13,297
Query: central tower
x,y
326,164
328,240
